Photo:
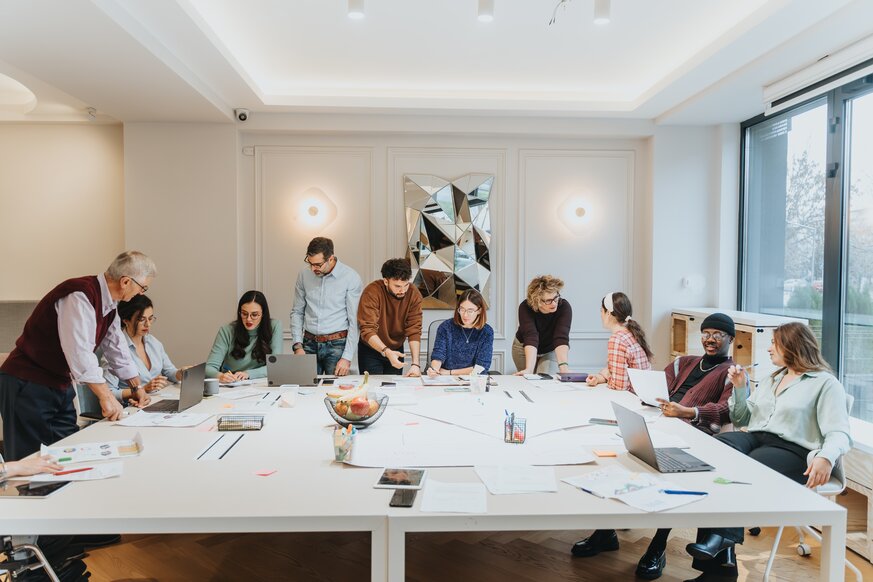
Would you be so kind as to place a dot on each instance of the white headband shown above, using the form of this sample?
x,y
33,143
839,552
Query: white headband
x,y
607,302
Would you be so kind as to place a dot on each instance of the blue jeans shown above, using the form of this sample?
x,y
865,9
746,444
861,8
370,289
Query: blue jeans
x,y
327,353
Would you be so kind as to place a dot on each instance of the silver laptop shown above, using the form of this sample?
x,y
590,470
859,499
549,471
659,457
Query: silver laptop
x,y
190,393
292,369
638,442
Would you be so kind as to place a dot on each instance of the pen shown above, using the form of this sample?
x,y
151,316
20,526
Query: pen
x,y
71,471
681,492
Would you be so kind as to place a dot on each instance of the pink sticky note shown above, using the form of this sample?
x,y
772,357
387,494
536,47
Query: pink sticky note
x,y
265,472
411,423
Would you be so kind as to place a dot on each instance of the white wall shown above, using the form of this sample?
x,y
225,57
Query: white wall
x,y
180,193
61,204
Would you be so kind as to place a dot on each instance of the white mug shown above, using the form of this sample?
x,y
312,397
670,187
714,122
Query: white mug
x,y
210,387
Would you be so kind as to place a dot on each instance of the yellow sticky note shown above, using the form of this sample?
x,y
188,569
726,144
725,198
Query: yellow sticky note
x,y
604,453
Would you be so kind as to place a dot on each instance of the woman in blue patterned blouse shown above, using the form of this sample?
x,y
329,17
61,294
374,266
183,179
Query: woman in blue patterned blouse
x,y
465,341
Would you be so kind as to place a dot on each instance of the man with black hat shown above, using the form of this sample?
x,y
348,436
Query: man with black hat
x,y
699,390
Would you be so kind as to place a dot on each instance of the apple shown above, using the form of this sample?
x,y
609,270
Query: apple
x,y
374,406
360,406
341,408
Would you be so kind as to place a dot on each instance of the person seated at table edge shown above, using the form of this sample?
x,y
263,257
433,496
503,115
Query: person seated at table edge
x,y
240,349
627,346
465,341
699,390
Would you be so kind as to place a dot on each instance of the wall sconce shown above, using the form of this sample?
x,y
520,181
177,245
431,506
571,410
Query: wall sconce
x,y
574,214
315,209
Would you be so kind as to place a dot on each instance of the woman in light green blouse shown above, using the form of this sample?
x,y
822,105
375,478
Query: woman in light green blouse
x,y
797,413
240,349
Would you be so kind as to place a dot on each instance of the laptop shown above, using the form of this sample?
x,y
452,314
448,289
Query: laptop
x,y
292,369
636,438
190,393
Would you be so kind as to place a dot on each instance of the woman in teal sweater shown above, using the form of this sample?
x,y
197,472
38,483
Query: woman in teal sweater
x,y
240,349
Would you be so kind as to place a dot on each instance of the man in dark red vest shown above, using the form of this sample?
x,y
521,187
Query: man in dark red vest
x,y
57,349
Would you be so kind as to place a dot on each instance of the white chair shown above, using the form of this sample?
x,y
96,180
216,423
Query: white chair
x,y
831,489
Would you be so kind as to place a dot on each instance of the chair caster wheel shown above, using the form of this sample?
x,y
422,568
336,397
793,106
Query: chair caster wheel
x,y
754,531
804,550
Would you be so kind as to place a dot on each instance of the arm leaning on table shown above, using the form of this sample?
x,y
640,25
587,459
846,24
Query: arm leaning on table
x,y
297,313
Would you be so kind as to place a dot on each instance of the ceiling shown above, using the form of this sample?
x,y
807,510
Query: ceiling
x,y
672,61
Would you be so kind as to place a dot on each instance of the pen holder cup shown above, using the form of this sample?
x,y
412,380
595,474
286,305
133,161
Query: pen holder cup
x,y
342,445
514,431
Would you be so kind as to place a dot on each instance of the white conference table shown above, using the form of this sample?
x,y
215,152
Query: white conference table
x,y
165,490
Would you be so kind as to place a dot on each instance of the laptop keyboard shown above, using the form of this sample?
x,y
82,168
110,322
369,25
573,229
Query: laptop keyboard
x,y
668,464
163,406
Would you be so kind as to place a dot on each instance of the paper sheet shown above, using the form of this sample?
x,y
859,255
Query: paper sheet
x,y
238,383
649,385
442,497
639,490
237,394
178,420
509,479
86,452
98,471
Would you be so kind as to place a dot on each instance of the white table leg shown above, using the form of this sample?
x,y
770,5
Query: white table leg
x,y
396,552
833,551
379,553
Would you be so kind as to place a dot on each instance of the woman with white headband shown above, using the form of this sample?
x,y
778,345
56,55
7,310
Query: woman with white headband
x,y
627,346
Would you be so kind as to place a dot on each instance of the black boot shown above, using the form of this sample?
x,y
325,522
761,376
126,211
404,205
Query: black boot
x,y
726,576
602,540
651,565
713,545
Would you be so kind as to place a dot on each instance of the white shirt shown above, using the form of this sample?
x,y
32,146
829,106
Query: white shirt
x,y
77,329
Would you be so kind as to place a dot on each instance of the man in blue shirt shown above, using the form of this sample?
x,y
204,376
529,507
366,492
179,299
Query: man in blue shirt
x,y
324,316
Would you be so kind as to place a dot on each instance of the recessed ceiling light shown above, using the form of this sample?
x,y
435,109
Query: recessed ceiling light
x,y
601,12
486,10
356,9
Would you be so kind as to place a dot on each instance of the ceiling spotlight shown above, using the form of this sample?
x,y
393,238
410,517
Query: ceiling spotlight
x,y
356,9
601,12
92,113
486,10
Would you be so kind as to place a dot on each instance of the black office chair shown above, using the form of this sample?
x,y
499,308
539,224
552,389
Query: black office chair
x,y
431,338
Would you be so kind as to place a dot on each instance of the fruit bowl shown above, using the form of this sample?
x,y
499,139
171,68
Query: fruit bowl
x,y
353,413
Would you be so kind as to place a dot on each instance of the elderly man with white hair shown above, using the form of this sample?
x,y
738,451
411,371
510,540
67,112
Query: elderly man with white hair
x,y
57,349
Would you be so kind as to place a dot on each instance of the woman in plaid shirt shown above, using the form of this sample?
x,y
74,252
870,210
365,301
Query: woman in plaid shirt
x,y
627,345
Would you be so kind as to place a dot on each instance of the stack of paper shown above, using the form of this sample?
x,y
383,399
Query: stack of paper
x,y
510,479
643,491
176,420
86,452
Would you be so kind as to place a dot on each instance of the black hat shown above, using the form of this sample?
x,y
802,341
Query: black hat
x,y
721,322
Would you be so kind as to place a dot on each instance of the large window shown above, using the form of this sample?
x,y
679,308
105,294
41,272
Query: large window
x,y
807,226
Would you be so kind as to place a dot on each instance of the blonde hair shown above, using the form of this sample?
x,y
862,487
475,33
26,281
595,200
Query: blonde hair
x,y
539,286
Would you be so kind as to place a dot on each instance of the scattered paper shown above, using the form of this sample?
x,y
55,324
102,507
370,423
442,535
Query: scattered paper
x,y
237,394
509,479
177,420
238,383
440,497
85,452
649,385
639,490
98,471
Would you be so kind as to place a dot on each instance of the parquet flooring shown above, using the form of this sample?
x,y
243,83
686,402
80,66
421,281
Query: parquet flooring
x,y
454,557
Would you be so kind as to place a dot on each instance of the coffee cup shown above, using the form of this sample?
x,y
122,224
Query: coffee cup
x,y
210,387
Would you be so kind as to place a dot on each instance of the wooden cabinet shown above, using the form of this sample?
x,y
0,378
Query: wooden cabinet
x,y
754,333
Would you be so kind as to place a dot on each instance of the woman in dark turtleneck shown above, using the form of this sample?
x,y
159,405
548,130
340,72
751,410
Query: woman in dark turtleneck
x,y
699,390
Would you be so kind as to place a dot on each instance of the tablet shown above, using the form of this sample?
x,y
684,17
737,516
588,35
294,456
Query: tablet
x,y
401,479
25,489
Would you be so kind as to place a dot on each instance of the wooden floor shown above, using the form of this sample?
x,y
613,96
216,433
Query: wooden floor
x,y
484,557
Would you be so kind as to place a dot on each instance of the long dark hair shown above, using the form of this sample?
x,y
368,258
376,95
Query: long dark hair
x,y
265,329
622,311
130,311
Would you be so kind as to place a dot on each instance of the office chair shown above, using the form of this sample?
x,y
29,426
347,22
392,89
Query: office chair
x,y
431,338
831,489
23,558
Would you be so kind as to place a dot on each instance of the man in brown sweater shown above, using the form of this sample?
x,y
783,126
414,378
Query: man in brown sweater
x,y
389,313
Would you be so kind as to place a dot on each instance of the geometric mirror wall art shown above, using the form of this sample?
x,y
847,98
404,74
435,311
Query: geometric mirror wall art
x,y
448,226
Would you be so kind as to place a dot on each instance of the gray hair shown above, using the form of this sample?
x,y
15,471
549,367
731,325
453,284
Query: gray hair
x,y
133,264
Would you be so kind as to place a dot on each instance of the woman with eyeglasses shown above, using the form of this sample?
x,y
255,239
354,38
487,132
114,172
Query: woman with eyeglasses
x,y
465,341
627,347
240,349
543,336
152,362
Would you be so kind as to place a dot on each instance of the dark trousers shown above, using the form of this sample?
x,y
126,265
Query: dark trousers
x,y
768,449
33,414
369,360
327,354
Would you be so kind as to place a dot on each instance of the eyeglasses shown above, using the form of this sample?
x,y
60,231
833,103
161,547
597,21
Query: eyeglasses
x,y
151,319
468,311
144,288
553,300
716,335
316,265
253,316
